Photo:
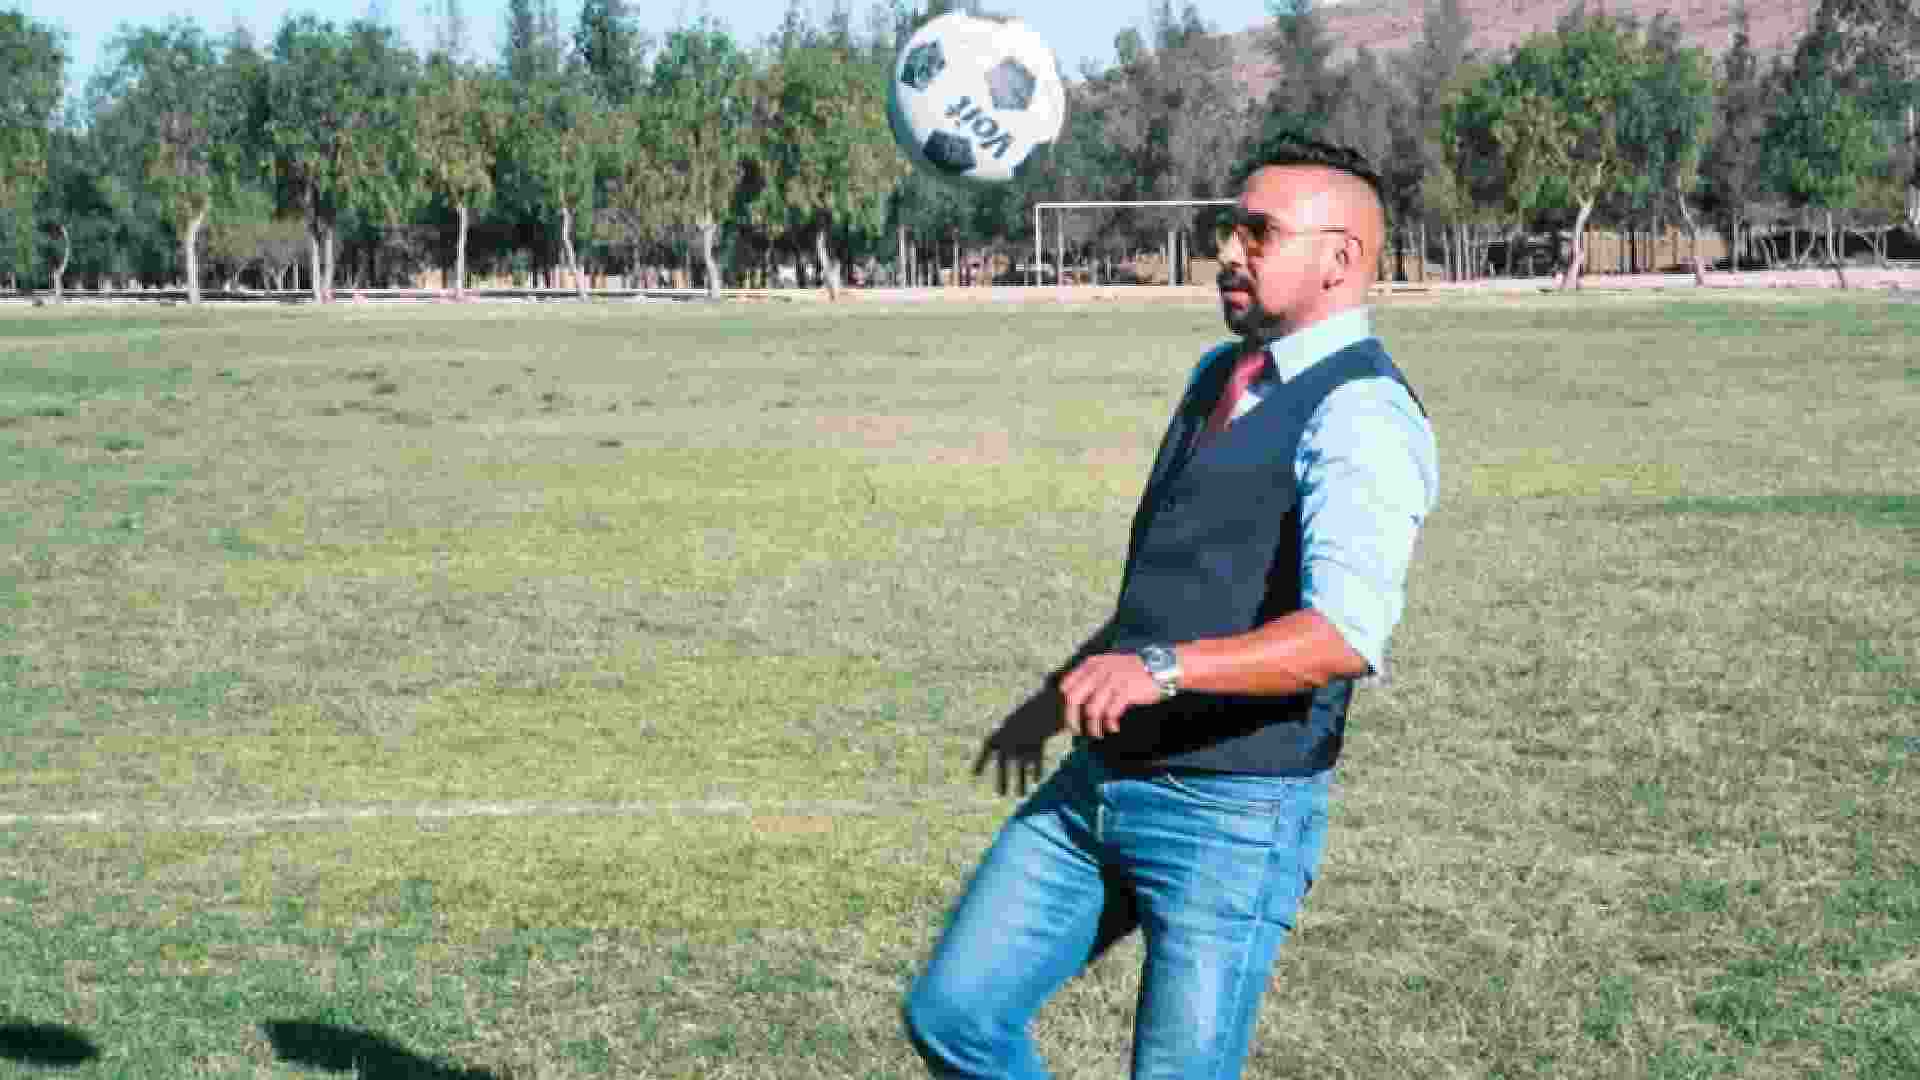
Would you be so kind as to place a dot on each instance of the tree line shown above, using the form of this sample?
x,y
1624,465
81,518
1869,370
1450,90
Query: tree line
x,y
336,155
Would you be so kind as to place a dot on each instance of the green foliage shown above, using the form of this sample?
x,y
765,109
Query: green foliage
x,y
338,123
460,119
825,151
1731,169
1666,117
33,66
701,89
1820,142
612,49
552,150
168,83
745,148
1308,87
1580,78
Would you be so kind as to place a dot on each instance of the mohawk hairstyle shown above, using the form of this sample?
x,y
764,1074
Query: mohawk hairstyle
x,y
1285,150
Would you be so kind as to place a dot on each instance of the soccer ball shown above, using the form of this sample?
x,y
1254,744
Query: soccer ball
x,y
973,97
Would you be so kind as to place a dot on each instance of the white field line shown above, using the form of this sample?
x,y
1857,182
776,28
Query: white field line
x,y
132,818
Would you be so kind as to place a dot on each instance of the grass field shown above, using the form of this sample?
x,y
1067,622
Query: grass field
x,y
538,692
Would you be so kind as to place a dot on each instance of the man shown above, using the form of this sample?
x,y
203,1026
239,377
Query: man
x,y
1266,568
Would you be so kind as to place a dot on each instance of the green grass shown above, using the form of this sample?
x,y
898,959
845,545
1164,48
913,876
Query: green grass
x,y
541,691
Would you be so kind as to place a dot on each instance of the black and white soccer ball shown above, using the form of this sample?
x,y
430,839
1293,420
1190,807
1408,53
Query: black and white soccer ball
x,y
973,97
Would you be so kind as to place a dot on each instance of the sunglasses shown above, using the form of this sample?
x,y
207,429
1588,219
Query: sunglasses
x,y
1255,231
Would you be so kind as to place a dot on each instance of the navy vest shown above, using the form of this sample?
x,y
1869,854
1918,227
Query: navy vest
x,y
1215,551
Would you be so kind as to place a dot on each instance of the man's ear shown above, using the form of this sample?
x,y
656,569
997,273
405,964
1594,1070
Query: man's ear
x,y
1338,267
1344,265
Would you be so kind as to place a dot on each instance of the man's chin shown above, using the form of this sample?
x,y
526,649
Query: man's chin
x,y
1240,316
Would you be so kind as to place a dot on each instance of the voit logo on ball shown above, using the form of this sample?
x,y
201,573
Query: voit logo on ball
x,y
973,97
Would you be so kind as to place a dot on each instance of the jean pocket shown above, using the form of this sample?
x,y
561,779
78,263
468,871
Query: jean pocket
x,y
1244,793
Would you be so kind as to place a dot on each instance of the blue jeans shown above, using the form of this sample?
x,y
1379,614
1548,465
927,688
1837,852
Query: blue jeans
x,y
1211,868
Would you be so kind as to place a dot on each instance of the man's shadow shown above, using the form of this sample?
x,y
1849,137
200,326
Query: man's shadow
x,y
366,1055
49,1045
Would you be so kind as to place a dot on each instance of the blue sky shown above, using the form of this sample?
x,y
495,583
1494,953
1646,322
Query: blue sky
x,y
1078,30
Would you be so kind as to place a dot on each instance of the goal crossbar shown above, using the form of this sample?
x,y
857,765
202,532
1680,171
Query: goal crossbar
x,y
1060,230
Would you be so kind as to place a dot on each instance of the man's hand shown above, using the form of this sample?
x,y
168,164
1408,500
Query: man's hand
x,y
1103,687
1020,742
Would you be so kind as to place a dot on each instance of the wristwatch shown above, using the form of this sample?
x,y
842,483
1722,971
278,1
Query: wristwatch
x,y
1164,666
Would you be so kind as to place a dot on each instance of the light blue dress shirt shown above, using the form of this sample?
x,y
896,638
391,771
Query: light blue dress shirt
x,y
1368,472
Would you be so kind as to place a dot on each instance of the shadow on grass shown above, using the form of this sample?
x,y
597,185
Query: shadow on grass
x,y
366,1055
44,1044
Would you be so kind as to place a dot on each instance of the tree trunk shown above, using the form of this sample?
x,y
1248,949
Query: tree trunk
x,y
60,268
828,272
314,244
709,230
460,252
1833,253
332,259
190,253
1576,261
1693,232
572,257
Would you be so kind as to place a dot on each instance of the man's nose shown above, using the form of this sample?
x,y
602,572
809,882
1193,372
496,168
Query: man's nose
x,y
1231,254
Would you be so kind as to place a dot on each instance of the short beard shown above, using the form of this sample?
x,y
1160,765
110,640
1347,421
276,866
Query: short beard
x,y
1255,325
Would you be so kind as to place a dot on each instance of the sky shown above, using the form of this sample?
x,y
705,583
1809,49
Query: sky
x,y
1077,29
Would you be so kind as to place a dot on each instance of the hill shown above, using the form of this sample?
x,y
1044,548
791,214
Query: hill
x,y
1391,26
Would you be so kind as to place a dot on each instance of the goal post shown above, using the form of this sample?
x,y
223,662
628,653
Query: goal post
x,y
1060,227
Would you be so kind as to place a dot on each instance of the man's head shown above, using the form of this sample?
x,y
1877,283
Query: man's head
x,y
1303,241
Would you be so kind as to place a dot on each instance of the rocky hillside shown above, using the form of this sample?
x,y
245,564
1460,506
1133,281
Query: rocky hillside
x,y
1389,26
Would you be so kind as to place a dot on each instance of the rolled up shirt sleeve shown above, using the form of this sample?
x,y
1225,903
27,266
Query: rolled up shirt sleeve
x,y
1368,473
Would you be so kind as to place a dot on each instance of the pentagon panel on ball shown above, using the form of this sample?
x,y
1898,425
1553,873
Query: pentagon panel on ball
x,y
974,96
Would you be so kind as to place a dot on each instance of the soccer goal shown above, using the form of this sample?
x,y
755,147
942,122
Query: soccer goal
x,y
1060,231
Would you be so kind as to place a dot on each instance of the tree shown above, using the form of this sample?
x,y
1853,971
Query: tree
x,y
556,134
168,83
77,198
1435,72
1730,169
1555,105
1498,141
612,49
1665,124
459,124
1170,116
532,49
33,73
1870,49
337,128
702,85
1819,146
1307,86
825,150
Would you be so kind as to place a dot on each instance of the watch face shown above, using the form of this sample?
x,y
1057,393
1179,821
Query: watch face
x,y
1158,658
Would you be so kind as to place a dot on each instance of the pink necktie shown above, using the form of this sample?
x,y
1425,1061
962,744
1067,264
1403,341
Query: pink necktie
x,y
1244,372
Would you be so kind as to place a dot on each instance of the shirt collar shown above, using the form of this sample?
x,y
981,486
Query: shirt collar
x,y
1307,346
